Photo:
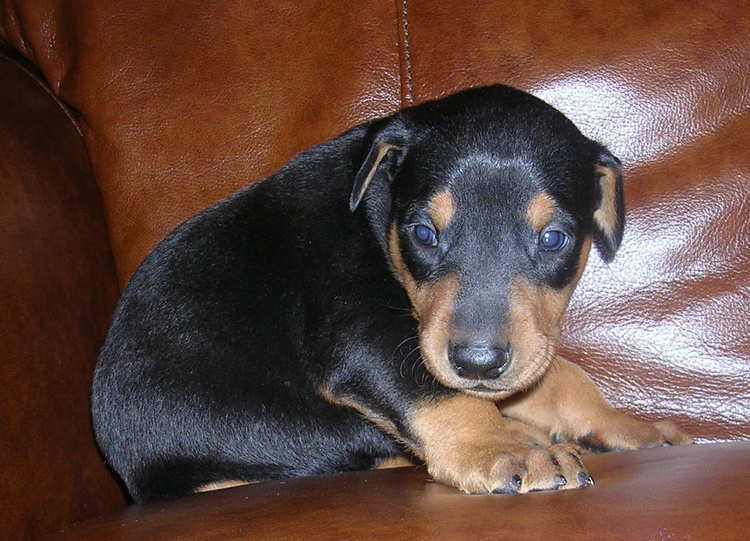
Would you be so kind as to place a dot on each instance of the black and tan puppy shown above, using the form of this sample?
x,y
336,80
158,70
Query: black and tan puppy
x,y
396,291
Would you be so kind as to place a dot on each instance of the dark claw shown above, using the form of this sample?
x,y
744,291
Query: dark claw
x,y
560,480
585,479
512,488
516,481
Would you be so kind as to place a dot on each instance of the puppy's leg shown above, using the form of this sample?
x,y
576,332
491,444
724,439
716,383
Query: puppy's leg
x,y
465,442
567,405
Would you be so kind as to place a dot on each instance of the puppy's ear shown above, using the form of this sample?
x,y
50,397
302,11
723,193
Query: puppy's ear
x,y
609,213
384,158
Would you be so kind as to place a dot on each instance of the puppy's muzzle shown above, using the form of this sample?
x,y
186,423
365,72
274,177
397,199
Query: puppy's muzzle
x,y
479,360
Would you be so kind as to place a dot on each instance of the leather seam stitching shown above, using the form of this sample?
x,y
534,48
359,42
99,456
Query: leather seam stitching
x,y
407,75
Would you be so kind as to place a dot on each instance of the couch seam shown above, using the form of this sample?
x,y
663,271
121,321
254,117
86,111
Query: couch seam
x,y
42,83
25,65
405,68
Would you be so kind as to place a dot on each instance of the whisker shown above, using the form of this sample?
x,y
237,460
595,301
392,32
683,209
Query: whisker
x,y
397,308
416,362
405,360
404,341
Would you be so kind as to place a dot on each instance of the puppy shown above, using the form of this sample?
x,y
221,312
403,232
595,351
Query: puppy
x,y
396,291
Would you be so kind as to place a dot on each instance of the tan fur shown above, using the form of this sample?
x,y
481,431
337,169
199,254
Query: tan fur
x,y
583,258
394,462
566,403
606,215
536,316
399,268
460,438
382,422
383,149
442,209
544,307
432,306
221,485
435,326
525,433
540,211
465,442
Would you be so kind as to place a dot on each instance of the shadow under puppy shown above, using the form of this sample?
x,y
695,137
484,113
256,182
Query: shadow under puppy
x,y
396,291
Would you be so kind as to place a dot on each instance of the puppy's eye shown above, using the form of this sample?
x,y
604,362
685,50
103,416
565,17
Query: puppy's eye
x,y
552,240
425,235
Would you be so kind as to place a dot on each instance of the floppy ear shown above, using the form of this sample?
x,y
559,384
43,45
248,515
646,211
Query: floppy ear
x,y
609,213
384,157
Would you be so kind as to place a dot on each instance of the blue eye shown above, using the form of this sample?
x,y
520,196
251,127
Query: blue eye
x,y
552,241
425,235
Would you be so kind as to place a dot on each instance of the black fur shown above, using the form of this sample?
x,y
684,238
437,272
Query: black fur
x,y
226,334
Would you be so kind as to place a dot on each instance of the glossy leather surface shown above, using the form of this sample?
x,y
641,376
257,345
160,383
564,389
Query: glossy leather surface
x,y
180,104
664,85
638,496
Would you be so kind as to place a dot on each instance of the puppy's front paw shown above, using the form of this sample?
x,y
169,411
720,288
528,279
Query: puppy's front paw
x,y
622,432
514,468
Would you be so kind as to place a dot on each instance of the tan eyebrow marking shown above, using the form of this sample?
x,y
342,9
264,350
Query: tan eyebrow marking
x,y
540,211
442,209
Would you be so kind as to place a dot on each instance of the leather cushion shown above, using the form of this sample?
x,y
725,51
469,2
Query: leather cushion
x,y
696,492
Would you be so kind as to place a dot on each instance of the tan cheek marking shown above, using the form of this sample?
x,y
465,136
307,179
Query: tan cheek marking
x,y
426,297
583,259
606,215
432,306
540,211
526,320
399,266
537,312
436,326
442,209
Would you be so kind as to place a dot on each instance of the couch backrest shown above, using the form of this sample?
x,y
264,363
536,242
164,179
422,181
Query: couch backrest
x,y
182,103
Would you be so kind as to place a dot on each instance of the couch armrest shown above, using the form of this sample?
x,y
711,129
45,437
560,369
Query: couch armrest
x,y
57,290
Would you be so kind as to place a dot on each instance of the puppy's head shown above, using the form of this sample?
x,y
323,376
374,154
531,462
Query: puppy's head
x,y
486,204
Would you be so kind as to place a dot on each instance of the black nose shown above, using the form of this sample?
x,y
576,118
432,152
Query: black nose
x,y
479,360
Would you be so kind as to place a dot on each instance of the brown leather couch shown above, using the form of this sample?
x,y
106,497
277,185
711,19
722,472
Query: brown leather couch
x,y
119,119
